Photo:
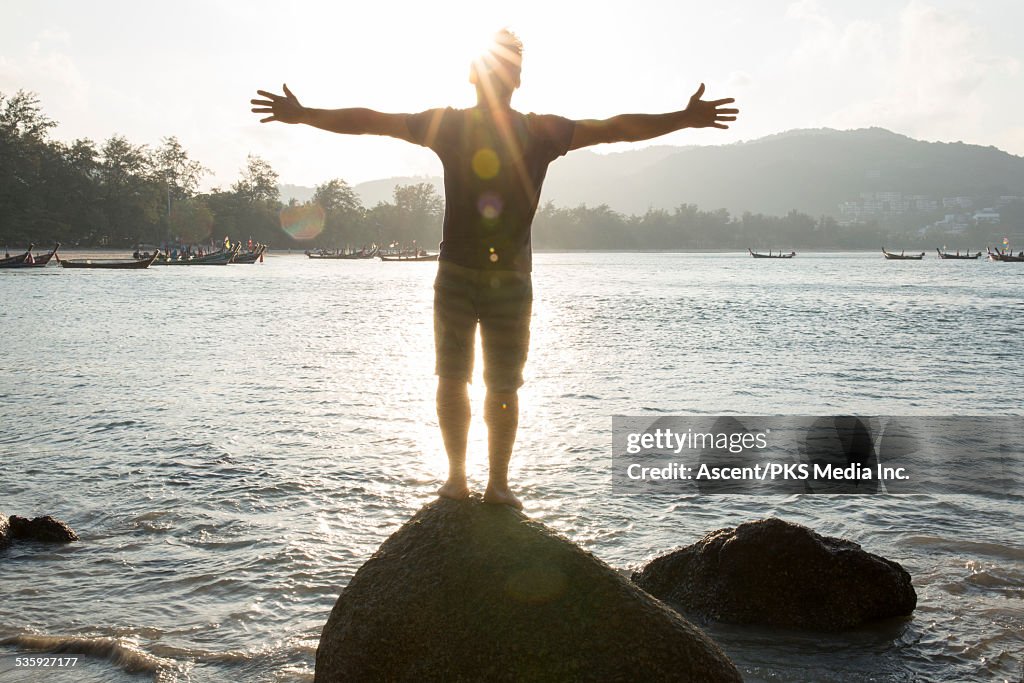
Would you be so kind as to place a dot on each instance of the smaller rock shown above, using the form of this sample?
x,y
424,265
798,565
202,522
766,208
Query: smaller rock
x,y
5,531
775,573
45,529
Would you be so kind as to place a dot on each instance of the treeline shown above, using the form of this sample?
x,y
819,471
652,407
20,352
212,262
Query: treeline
x,y
687,227
118,194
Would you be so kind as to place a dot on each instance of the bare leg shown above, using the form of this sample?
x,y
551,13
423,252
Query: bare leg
x,y
501,413
453,417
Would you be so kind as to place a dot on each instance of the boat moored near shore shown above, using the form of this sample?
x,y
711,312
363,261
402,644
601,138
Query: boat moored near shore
x,y
755,254
256,254
16,261
111,264
217,258
902,256
410,257
30,260
1005,256
957,256
336,255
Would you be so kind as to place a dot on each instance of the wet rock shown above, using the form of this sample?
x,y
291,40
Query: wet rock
x,y
466,591
775,573
5,531
45,529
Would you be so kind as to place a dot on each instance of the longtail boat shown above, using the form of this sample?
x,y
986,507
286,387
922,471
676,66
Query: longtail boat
x,y
410,257
361,254
16,261
902,256
770,254
41,261
957,255
251,256
110,264
217,258
36,261
1005,257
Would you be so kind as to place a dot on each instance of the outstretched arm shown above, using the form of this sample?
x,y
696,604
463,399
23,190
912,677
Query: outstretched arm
x,y
287,109
634,127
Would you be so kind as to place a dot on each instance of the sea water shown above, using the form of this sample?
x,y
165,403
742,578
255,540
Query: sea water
x,y
232,443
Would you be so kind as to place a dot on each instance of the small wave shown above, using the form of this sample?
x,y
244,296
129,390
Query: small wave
x,y
127,657
961,546
107,426
150,516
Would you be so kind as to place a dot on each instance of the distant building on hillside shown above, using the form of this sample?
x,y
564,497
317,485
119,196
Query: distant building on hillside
x,y
987,216
884,204
957,202
952,223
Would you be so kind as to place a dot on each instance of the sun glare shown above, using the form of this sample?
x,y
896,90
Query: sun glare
x,y
464,42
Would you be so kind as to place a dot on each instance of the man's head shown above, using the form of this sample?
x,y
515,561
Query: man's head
x,y
496,72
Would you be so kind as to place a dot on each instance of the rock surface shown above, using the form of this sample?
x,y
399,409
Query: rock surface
x,y
45,529
5,531
466,591
775,573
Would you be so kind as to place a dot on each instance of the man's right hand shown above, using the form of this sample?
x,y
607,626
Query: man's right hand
x,y
284,108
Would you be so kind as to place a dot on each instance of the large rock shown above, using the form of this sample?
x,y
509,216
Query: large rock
x,y
45,529
472,592
5,531
776,573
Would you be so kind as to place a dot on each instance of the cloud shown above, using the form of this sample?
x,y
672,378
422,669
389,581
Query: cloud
x,y
739,79
47,69
922,72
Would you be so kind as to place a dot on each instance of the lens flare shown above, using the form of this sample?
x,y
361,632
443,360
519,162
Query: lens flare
x,y
489,205
303,221
486,163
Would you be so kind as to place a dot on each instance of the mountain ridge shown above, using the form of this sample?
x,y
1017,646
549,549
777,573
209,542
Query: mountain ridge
x,y
811,170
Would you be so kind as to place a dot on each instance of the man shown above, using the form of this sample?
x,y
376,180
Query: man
x,y
495,160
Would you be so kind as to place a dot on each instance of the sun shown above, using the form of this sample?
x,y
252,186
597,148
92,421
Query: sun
x,y
470,37
467,39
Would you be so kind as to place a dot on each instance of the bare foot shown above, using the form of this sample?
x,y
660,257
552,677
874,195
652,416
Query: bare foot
x,y
501,496
456,489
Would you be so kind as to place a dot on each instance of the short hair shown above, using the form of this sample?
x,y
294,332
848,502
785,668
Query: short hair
x,y
508,47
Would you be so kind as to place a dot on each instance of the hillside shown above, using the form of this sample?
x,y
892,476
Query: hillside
x,y
809,170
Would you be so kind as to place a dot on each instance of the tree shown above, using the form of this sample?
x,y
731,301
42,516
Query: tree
x,y
24,147
337,195
343,224
191,220
420,200
21,116
180,173
258,182
416,216
131,198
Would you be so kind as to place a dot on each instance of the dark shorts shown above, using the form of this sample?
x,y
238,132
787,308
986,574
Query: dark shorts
x,y
501,301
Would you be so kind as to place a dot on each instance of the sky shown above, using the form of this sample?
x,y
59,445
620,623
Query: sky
x,y
943,70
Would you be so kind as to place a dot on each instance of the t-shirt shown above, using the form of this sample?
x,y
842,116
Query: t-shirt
x,y
494,165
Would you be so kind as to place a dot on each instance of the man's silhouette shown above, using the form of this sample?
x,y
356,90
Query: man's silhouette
x,y
494,159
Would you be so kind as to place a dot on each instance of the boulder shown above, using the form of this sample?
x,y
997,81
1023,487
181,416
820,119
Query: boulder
x,y
466,591
5,531
45,529
775,573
